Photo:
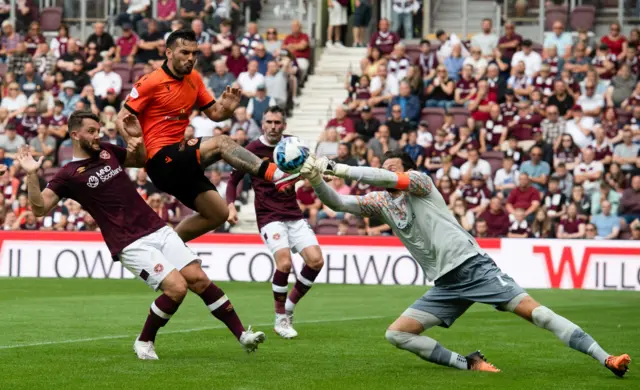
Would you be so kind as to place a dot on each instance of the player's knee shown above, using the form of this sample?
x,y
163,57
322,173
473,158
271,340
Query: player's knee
x,y
396,337
315,262
542,316
176,289
199,282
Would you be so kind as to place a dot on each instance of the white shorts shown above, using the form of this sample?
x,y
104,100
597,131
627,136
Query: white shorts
x,y
152,257
295,235
337,15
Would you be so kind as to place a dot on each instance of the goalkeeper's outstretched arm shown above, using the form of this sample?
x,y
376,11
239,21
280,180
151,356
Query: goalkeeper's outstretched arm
x,y
414,182
346,203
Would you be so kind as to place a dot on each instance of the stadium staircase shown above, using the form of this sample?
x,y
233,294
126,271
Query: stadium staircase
x,y
323,92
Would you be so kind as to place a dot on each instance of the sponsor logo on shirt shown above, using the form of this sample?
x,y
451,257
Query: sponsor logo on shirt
x,y
102,175
105,155
158,268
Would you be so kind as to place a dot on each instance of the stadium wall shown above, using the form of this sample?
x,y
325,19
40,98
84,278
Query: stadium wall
x,y
569,264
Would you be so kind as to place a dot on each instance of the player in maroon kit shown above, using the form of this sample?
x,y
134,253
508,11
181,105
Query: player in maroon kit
x,y
282,226
133,232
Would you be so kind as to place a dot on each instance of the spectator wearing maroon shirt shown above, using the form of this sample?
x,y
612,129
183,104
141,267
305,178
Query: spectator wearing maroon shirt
x,y
34,38
519,228
496,218
343,125
297,43
236,62
436,152
571,225
630,202
523,124
466,86
126,45
473,194
510,42
524,197
27,124
384,39
308,202
427,61
480,104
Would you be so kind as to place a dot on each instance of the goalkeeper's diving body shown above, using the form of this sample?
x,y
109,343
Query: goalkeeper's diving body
x,y
462,272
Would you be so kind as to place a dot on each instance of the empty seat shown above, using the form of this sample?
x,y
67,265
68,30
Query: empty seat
x,y
136,72
50,20
460,115
380,113
3,70
354,115
435,117
65,154
494,158
623,116
124,71
583,17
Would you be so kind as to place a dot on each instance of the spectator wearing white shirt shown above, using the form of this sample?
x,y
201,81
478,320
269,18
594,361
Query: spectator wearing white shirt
x,y
477,61
205,127
507,177
589,172
591,103
579,128
531,59
402,16
106,79
276,83
486,40
383,87
250,80
475,164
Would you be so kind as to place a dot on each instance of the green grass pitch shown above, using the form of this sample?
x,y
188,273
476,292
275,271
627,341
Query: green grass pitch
x,y
84,330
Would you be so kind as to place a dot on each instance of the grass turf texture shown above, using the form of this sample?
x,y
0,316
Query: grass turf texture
x,y
341,343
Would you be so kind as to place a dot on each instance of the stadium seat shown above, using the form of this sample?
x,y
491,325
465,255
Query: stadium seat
x,y
65,154
413,52
460,115
623,115
126,88
537,47
494,158
554,13
3,70
354,115
124,71
136,72
435,117
50,20
331,230
583,17
380,113
49,173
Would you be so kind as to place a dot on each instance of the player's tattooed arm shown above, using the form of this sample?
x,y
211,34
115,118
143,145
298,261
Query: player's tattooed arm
x,y
234,154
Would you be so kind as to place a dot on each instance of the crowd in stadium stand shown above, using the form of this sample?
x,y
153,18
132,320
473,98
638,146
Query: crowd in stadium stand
x,y
522,139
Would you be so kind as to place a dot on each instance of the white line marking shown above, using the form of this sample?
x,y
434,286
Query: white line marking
x,y
125,336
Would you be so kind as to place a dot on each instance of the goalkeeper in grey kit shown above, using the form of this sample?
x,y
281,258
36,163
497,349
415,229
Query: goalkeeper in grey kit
x,y
462,272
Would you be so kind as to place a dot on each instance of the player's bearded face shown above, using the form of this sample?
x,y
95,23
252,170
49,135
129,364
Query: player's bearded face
x,y
89,142
183,57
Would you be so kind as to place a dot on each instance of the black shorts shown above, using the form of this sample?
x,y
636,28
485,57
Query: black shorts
x,y
175,169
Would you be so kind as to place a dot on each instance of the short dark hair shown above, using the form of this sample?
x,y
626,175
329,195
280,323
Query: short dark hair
x,y
77,117
407,161
275,110
58,103
184,34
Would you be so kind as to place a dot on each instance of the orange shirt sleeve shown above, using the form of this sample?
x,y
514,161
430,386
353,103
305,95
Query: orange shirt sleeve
x,y
141,94
204,99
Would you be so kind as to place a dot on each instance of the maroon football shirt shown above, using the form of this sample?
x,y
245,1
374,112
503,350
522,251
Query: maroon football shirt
x,y
104,189
271,205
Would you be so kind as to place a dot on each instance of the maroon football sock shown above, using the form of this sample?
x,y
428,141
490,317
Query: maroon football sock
x,y
222,309
161,311
280,287
302,286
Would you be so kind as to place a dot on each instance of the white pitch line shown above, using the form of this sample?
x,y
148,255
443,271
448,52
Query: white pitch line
x,y
125,336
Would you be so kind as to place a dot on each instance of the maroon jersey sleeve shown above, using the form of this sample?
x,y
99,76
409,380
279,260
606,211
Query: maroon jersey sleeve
x,y
232,186
59,184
